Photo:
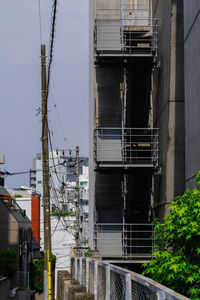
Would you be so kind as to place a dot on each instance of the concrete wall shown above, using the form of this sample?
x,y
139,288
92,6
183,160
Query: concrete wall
x,y
105,4
4,288
192,89
168,103
9,229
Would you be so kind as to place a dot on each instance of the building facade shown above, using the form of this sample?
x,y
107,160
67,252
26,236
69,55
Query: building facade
x,y
124,145
16,234
192,89
168,104
63,203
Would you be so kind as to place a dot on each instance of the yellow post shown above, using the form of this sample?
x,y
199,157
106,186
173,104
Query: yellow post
x,y
49,276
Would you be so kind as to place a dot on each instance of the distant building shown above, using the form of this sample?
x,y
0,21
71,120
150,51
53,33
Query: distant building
x,y
57,170
62,198
16,234
30,202
2,173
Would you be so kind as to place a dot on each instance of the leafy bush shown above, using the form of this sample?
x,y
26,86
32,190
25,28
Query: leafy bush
x,y
18,196
60,213
38,269
8,260
176,263
88,252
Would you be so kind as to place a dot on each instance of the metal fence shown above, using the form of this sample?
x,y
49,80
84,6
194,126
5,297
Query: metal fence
x,y
109,282
127,146
125,31
125,241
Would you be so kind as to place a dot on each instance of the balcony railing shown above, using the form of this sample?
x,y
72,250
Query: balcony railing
x,y
126,32
133,147
124,241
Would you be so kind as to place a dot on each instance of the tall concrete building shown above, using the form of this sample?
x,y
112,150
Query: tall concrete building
x,y
168,104
124,145
192,89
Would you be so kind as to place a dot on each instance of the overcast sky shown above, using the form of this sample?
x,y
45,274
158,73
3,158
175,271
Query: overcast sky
x,y
20,87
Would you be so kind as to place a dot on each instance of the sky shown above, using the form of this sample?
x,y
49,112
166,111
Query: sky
x,y
20,80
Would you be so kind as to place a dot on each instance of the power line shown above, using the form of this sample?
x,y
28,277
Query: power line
x,y
51,44
27,172
58,116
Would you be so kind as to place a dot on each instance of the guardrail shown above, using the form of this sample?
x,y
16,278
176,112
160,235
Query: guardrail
x,y
109,282
125,32
127,146
125,241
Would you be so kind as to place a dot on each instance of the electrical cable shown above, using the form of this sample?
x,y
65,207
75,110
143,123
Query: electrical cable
x,y
58,116
51,44
26,172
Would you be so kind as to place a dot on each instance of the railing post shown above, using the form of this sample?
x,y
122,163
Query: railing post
x,y
80,270
107,283
96,280
87,274
128,287
160,295
76,267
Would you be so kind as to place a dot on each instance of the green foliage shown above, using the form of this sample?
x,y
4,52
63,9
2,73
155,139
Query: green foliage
x,y
176,263
88,252
60,213
8,260
18,196
38,269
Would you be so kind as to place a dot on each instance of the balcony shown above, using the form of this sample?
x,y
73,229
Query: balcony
x,y
125,32
126,147
116,241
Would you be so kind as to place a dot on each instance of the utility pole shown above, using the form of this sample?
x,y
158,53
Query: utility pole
x,y
46,194
77,236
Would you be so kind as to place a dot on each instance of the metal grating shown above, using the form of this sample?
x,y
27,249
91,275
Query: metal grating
x,y
83,272
117,288
141,292
91,277
101,282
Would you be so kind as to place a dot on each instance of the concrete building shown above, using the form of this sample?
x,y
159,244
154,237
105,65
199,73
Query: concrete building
x,y
62,198
36,181
192,89
123,142
168,104
142,75
16,234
